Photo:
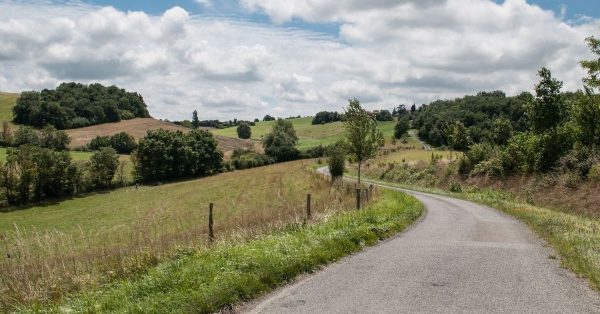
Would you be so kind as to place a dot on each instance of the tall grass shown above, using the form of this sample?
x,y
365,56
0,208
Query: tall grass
x,y
219,277
48,259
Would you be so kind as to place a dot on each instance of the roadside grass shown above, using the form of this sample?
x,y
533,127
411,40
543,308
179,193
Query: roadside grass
x,y
309,135
415,155
575,237
50,250
7,102
231,272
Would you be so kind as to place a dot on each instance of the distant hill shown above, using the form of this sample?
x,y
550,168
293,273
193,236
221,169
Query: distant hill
x,y
138,128
7,102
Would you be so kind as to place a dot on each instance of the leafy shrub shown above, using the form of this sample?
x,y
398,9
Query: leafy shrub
x,y
336,160
594,174
455,187
246,159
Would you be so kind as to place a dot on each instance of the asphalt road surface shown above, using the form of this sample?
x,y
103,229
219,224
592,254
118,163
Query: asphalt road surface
x,y
461,258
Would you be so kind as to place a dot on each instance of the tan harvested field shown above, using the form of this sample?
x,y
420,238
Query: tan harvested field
x,y
138,128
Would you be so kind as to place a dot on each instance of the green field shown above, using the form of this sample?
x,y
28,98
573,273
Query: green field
x,y
114,233
7,102
309,135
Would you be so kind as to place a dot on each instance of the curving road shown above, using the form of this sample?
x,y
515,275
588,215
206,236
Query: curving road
x,y
462,258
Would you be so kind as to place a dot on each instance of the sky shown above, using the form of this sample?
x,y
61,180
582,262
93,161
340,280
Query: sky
x,y
247,58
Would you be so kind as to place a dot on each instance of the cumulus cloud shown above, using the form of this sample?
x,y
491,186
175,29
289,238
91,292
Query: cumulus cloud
x,y
387,52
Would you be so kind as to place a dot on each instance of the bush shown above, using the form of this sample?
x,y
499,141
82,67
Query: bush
x,y
336,160
594,174
246,159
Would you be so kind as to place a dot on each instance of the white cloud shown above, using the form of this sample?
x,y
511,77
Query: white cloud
x,y
388,52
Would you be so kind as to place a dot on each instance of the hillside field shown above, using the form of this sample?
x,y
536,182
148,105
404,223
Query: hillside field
x,y
308,135
102,234
138,128
7,102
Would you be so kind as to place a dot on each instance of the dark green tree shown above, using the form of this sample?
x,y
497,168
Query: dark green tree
x,y
548,110
281,142
123,143
244,131
103,166
401,127
195,120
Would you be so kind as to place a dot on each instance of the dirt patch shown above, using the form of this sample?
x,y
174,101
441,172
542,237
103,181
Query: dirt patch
x,y
138,128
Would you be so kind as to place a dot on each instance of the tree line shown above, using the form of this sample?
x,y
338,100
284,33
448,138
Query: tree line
x,y
75,105
501,136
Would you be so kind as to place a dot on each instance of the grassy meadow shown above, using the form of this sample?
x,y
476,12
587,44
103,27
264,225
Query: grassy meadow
x,y
7,102
57,248
308,135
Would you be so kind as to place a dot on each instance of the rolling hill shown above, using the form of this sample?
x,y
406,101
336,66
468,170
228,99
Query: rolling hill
x,y
309,135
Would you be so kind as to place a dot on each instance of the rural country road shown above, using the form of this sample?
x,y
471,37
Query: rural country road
x,y
461,258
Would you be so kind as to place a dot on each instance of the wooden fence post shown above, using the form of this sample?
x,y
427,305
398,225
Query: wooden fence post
x,y
211,234
308,213
357,198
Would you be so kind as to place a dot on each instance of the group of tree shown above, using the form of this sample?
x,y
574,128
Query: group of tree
x,y
166,155
554,131
122,142
324,117
485,117
401,110
34,173
383,115
48,137
197,123
268,118
280,143
74,105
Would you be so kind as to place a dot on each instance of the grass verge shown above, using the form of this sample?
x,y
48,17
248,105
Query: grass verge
x,y
576,238
211,279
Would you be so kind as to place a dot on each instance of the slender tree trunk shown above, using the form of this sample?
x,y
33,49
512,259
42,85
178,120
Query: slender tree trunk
x,y
359,164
